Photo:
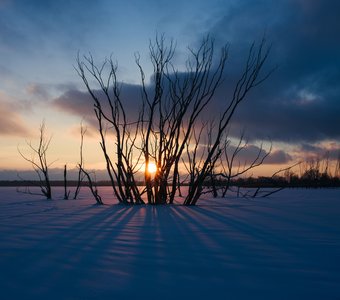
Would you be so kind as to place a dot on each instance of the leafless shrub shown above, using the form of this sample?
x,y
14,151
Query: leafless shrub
x,y
167,126
39,162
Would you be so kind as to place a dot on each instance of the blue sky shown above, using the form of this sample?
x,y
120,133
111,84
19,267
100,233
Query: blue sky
x,y
298,108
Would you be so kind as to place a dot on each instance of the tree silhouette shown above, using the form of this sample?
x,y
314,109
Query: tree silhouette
x,y
39,162
168,130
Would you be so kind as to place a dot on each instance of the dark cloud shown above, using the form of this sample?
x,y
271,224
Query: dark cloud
x,y
300,101
249,153
309,148
331,151
76,103
80,103
278,157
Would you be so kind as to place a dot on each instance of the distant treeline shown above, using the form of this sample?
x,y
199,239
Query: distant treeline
x,y
310,178
316,173
321,181
251,182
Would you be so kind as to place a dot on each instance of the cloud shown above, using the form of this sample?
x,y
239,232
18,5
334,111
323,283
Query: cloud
x,y
300,101
329,150
249,153
278,157
11,123
90,132
76,103
39,91
80,103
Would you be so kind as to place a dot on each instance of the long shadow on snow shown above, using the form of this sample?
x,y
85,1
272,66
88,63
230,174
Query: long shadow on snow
x,y
164,251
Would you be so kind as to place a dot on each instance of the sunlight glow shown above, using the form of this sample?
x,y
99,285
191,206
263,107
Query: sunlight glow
x,y
152,168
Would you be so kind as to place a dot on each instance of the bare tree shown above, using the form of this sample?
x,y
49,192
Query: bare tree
x,y
66,192
81,174
259,192
171,106
92,185
250,78
230,165
39,162
120,168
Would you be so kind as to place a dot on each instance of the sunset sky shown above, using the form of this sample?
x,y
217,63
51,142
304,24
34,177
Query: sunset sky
x,y
297,108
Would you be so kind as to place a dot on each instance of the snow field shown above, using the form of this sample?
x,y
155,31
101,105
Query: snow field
x,y
286,246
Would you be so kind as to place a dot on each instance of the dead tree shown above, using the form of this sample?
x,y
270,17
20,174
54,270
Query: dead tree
x,y
38,160
171,105
92,186
81,174
250,78
110,113
66,192
231,167
259,192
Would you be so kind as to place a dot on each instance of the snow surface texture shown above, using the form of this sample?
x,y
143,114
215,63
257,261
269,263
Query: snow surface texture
x,y
283,247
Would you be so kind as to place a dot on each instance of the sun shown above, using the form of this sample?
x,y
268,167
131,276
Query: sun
x,y
152,168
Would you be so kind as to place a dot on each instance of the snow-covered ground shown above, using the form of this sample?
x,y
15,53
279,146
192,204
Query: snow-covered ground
x,y
283,247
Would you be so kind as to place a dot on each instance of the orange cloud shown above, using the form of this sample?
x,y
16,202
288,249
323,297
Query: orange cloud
x,y
11,123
